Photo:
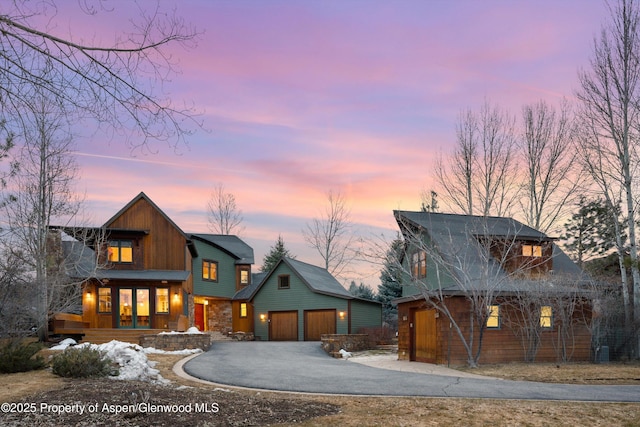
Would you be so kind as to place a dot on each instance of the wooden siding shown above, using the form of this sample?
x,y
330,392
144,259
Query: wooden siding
x,y
225,286
242,324
298,297
498,346
105,320
164,247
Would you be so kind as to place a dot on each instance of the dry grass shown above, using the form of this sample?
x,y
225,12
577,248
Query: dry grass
x,y
569,373
392,411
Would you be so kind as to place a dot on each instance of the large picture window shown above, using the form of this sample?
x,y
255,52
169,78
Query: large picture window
x,y
210,270
121,251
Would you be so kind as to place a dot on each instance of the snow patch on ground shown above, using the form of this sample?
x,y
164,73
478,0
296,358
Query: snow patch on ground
x,y
131,358
191,330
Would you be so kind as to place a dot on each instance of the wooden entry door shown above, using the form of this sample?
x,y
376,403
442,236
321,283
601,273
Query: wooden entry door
x,y
283,326
424,336
318,322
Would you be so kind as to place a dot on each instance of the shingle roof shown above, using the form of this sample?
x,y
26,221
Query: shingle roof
x,y
318,279
232,245
455,237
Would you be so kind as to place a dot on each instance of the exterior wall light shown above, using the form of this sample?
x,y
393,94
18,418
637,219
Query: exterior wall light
x,y
263,317
341,314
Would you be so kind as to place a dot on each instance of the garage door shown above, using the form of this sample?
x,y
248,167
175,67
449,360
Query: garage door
x,y
424,337
283,326
318,322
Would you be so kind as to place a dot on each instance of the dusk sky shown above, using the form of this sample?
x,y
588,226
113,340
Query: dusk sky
x,y
302,97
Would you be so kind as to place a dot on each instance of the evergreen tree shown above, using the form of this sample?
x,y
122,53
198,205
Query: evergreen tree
x,y
590,231
391,283
361,291
276,253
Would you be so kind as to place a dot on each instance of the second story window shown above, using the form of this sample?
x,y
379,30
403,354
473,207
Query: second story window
x,y
244,276
283,281
209,270
419,265
121,251
532,251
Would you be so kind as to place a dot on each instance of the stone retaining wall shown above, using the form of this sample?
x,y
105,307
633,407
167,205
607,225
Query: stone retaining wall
x,y
172,342
332,343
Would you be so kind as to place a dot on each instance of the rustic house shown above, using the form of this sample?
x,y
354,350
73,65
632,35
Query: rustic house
x,y
145,275
533,302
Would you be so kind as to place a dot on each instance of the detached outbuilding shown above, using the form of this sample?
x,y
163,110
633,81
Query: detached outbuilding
x,y
297,301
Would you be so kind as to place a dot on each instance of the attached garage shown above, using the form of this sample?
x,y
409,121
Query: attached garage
x,y
318,322
283,326
297,301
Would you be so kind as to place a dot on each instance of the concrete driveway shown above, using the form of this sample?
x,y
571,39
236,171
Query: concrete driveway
x,y
305,367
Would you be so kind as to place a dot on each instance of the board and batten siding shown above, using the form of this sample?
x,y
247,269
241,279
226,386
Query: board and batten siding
x,y
365,314
226,285
164,246
298,297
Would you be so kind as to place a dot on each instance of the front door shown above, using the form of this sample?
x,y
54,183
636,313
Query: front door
x,y
424,336
134,310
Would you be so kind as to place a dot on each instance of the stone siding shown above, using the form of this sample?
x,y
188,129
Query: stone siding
x,y
219,317
332,343
172,342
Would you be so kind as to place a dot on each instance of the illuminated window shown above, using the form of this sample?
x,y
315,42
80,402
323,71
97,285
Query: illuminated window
x,y
210,270
104,300
283,281
121,251
244,276
493,321
532,251
546,317
162,300
419,265
243,309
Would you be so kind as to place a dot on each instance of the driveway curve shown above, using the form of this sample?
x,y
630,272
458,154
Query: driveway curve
x,y
304,367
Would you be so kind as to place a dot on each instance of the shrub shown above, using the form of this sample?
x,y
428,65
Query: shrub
x,y
82,362
20,356
378,335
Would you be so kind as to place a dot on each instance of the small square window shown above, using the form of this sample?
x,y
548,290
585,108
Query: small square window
x,y
493,321
283,281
